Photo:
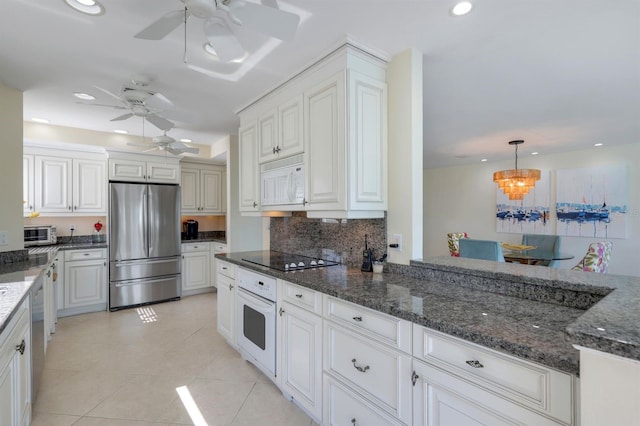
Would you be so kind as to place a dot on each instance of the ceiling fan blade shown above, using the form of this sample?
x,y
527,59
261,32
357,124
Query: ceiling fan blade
x,y
122,117
102,105
267,20
223,41
159,122
163,26
173,151
158,102
113,95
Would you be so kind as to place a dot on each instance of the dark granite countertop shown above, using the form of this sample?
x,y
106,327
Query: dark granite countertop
x,y
206,240
529,329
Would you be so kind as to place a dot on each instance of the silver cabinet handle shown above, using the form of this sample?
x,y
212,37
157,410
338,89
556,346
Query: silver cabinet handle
x,y
359,319
357,367
21,347
254,205
281,311
414,378
230,287
299,296
475,364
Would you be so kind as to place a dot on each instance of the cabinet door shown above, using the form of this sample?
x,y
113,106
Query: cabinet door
x,y
267,136
211,191
195,270
324,119
249,170
227,308
290,125
23,376
300,352
127,170
28,187
367,143
89,186
85,283
442,399
8,388
163,172
190,190
53,184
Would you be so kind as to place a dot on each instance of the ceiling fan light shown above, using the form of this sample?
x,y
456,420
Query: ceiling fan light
x,y
186,140
461,8
84,96
90,7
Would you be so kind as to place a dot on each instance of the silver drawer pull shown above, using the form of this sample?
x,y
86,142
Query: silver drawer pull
x,y
299,296
475,364
359,319
360,369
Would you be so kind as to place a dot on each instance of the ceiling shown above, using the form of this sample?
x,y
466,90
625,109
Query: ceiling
x,y
561,74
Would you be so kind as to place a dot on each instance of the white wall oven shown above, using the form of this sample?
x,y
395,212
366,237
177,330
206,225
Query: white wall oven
x,y
256,319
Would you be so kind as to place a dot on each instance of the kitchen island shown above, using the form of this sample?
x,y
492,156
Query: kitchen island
x,y
545,315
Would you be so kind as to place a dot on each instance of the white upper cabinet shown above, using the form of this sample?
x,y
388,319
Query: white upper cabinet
x,y
281,131
335,112
70,185
249,170
203,189
137,168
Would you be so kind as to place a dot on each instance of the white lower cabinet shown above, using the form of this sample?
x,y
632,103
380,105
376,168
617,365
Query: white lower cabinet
x,y
226,312
196,268
299,353
85,281
15,369
442,399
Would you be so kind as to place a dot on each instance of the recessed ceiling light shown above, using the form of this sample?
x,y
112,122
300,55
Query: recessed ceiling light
x,y
598,144
483,160
461,8
90,7
186,140
85,96
122,132
534,153
40,120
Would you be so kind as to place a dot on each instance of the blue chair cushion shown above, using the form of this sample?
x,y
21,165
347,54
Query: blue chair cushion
x,y
481,249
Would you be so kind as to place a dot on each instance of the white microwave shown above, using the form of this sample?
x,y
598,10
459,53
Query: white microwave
x,y
282,182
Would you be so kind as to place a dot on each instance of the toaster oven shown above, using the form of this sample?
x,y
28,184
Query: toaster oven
x,y
40,235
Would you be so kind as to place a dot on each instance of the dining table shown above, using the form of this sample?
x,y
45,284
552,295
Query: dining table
x,y
534,256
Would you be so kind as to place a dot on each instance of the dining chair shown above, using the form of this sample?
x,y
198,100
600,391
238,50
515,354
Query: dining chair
x,y
481,249
453,239
543,242
596,259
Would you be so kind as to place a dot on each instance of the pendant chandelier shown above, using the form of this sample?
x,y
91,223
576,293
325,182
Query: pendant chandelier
x,y
516,183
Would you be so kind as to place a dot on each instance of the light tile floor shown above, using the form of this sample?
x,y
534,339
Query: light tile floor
x,y
131,367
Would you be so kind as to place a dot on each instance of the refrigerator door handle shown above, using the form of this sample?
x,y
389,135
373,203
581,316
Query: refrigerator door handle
x,y
139,281
145,212
122,264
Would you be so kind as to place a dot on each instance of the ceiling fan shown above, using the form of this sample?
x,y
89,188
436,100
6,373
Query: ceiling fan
x,y
266,19
167,144
141,102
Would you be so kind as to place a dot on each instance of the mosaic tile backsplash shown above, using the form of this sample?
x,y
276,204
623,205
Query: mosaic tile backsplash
x,y
341,240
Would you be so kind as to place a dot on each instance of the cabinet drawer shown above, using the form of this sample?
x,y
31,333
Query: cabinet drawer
x,y
534,385
219,247
303,297
225,268
191,247
70,255
343,407
381,374
381,327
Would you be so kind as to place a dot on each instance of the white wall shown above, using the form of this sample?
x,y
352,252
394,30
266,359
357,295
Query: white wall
x,y
464,199
11,167
404,81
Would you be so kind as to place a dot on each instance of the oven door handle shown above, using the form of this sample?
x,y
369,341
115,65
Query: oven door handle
x,y
257,303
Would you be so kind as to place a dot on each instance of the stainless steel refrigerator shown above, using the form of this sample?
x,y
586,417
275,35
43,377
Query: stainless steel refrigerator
x,y
144,244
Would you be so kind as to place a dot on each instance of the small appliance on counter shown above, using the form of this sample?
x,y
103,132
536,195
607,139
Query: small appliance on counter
x,y
41,235
190,229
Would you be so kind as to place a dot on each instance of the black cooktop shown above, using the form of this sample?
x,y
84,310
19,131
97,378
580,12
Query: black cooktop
x,y
287,261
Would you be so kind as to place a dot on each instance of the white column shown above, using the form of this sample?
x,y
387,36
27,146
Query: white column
x,y
404,80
